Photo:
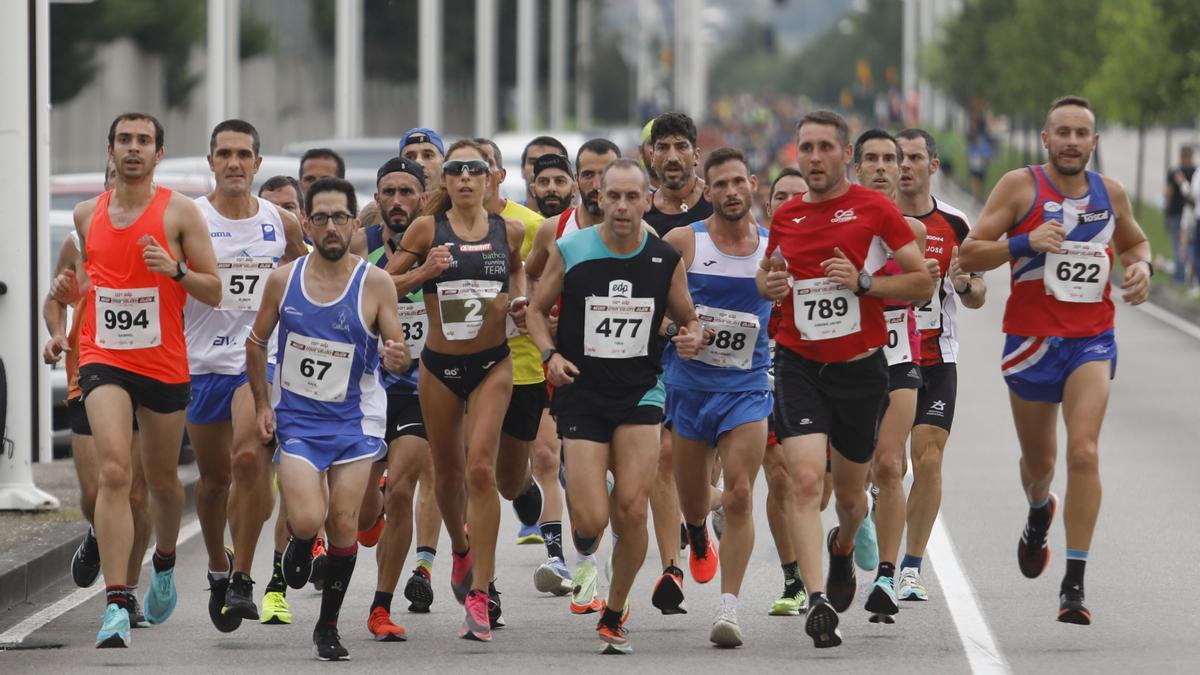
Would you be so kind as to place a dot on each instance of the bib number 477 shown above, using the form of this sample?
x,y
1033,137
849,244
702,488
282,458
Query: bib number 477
x,y
614,327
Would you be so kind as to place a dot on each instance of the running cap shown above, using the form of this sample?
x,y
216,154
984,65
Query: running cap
x,y
422,135
402,165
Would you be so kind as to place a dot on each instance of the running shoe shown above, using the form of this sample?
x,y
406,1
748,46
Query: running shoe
x,y
317,575
668,592
419,590
793,600
218,589
718,521
381,627
327,644
725,630
529,534
461,575
114,630
615,637
297,564
370,537
161,598
881,603
1033,552
1071,609
136,617
85,563
840,583
584,598
528,506
239,598
477,624
910,587
495,617
275,609
703,567
822,624
552,576
683,538
866,546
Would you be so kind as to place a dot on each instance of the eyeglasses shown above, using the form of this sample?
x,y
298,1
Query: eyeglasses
x,y
456,167
322,219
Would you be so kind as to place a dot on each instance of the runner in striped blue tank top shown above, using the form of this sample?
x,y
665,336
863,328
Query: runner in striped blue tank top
x,y
718,401
327,404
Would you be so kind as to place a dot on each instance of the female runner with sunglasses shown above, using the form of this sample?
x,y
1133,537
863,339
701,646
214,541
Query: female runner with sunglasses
x,y
465,365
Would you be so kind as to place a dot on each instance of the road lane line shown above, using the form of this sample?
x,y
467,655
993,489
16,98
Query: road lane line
x,y
1170,319
980,646
18,633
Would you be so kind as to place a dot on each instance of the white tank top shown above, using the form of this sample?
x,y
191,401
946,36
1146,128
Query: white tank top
x,y
247,252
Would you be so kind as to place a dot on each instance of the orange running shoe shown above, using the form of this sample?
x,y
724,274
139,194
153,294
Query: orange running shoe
x,y
703,567
382,629
615,638
371,536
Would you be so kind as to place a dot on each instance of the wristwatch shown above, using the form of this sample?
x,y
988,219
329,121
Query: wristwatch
x,y
180,271
548,354
671,330
1149,266
864,283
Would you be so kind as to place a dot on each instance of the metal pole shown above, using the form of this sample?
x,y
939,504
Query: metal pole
x,y
680,55
526,63
347,69
908,68
583,65
486,28
696,65
216,83
558,64
430,63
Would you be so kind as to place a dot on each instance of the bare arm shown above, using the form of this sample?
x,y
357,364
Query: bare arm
x,y
983,250
536,262
914,285
683,239
1131,246
387,321
402,265
358,243
201,281
293,235
559,370
54,312
690,338
256,350
516,268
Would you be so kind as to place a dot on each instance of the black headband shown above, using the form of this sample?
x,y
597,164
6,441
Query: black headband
x,y
551,161
403,165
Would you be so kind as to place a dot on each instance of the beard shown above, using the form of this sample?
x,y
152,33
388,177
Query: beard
x,y
552,204
396,220
591,203
332,253
732,216
1070,170
674,183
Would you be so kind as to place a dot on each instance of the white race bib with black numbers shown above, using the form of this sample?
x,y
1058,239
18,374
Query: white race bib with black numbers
x,y
824,309
127,318
617,328
415,322
317,369
898,348
735,336
463,305
243,280
1078,272
929,315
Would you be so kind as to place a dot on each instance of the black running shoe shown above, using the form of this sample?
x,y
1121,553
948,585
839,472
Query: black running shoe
x,y
1071,609
495,618
136,618
668,592
528,504
239,599
840,583
85,564
822,624
327,644
419,591
1033,553
297,563
218,588
683,538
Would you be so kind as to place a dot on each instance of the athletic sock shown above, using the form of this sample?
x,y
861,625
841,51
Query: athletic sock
x,y
585,545
611,617
163,561
911,561
119,595
698,536
791,571
1039,514
339,566
1076,562
886,569
425,556
383,600
277,584
552,536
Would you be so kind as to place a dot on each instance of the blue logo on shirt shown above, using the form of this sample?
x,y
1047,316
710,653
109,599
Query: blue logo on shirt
x,y
268,231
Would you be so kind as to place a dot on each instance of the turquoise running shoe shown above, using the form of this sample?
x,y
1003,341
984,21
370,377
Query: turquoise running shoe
x,y
160,599
114,632
866,546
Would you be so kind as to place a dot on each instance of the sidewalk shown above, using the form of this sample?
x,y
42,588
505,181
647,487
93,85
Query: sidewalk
x,y
38,546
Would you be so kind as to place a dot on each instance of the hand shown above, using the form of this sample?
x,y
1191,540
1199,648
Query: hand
x,y
65,287
395,356
1048,237
840,269
561,371
960,279
436,261
157,258
552,321
778,284
54,349
517,311
1136,284
266,425
935,271
687,344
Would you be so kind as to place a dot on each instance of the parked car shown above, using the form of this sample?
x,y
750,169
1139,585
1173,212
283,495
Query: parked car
x,y
196,168
360,153
68,189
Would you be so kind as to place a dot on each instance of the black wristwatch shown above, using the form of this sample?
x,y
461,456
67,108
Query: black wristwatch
x,y
1149,266
671,330
180,271
864,283
548,354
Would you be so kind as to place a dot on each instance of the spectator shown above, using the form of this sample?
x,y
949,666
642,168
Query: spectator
x,y
979,156
1178,199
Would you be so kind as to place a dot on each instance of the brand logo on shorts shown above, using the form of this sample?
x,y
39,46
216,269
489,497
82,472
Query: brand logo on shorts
x,y
619,288
938,406
451,373
1051,207
914,373
1096,349
806,421
489,364
843,216
268,231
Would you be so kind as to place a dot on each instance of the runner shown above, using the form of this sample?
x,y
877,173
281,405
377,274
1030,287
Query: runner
x,y
616,281
145,249
719,401
284,192
1059,346
251,237
326,406
465,363
552,185
831,377
540,145
646,156
946,229
318,163
424,147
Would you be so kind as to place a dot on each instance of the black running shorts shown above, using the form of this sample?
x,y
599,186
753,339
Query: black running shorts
x,y
935,398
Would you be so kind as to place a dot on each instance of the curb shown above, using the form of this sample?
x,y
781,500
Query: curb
x,y
49,562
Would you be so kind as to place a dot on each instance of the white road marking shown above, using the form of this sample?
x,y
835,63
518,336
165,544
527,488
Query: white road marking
x,y
980,646
1170,319
17,634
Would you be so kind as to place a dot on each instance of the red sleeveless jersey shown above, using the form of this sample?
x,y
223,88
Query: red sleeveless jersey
x,y
133,318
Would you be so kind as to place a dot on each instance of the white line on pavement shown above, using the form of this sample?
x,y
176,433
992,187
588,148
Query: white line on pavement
x,y
17,634
1170,319
982,653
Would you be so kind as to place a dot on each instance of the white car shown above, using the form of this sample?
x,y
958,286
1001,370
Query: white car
x,y
196,167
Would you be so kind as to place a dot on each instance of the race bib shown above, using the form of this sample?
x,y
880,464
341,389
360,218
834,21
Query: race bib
x,y
463,305
127,318
929,315
824,309
317,369
243,280
1078,272
415,322
617,328
898,348
732,345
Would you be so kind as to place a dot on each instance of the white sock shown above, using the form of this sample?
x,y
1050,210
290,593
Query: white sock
x,y
729,599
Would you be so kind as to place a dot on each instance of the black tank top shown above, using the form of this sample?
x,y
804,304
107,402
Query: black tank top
x,y
480,260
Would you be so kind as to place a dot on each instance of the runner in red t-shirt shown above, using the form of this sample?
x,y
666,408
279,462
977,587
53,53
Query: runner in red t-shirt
x,y
831,377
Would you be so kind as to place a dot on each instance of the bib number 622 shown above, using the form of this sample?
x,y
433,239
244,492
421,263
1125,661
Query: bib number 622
x,y
1078,272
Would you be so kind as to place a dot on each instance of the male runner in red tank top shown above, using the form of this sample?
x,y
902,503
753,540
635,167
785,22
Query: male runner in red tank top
x,y
144,248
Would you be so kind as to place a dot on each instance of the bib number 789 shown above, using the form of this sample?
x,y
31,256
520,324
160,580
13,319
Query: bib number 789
x,y
826,308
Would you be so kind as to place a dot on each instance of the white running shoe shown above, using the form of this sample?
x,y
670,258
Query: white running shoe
x,y
910,587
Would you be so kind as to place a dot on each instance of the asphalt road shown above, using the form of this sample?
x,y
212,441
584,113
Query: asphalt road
x,y
983,615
